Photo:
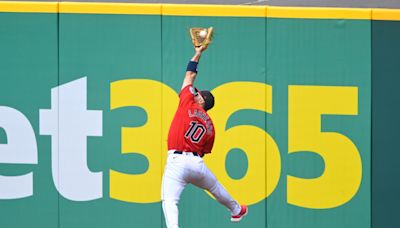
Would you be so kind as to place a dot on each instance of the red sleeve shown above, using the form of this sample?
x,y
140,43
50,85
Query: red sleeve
x,y
186,95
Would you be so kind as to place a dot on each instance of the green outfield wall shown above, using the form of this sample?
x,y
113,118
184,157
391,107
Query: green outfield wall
x,y
305,114
385,122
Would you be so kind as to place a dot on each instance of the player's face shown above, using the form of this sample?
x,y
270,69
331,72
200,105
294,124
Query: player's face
x,y
199,99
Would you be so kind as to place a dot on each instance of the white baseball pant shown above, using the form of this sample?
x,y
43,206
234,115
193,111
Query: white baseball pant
x,y
185,168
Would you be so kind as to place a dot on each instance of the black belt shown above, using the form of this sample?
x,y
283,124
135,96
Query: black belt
x,y
180,152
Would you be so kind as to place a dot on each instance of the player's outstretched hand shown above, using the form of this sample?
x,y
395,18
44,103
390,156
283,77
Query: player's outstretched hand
x,y
200,49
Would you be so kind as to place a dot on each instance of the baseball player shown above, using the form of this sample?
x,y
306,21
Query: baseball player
x,y
191,136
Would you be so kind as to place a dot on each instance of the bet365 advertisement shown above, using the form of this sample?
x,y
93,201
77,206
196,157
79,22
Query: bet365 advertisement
x,y
86,100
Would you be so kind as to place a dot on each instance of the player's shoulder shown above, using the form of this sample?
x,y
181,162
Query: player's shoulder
x,y
187,92
188,89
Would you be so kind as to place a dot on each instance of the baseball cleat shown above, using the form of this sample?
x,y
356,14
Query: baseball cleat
x,y
243,212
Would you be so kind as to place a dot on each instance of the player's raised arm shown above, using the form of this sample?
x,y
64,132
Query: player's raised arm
x,y
191,70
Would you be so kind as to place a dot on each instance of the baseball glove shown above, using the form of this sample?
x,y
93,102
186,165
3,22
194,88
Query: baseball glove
x,y
201,36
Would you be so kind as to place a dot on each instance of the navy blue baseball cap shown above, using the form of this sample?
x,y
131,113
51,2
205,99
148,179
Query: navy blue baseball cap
x,y
208,99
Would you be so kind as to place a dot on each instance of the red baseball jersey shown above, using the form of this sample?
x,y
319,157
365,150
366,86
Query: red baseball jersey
x,y
191,129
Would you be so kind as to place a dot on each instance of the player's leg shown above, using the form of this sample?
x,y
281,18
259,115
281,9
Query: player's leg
x,y
171,188
205,179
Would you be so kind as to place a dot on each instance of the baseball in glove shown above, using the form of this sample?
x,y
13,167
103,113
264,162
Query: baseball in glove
x,y
201,36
